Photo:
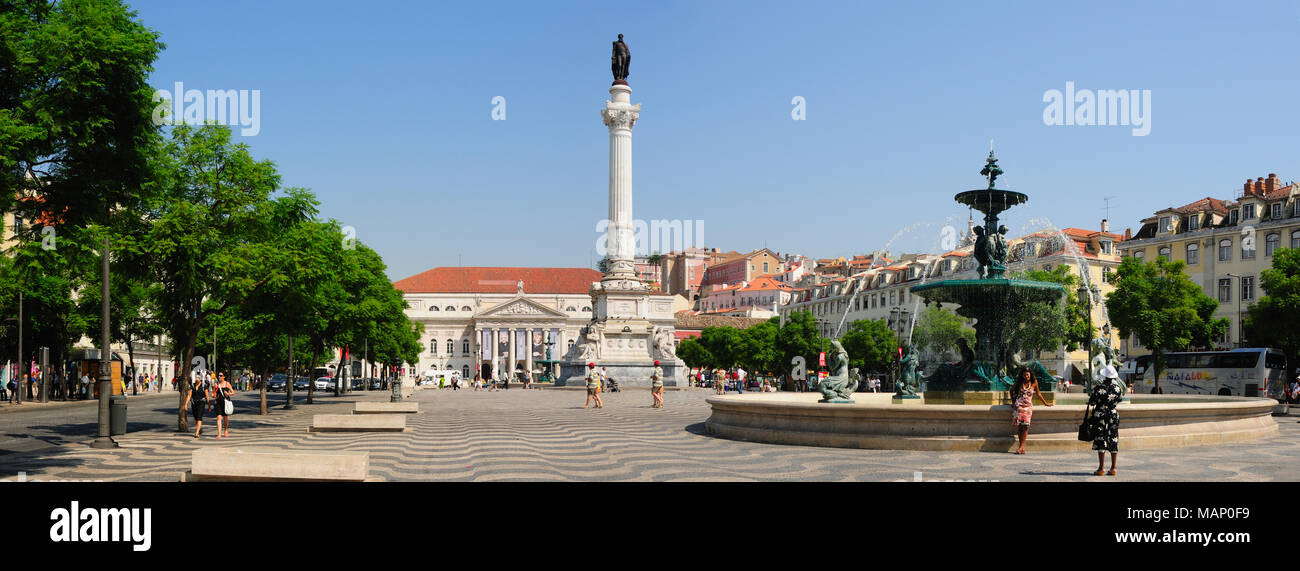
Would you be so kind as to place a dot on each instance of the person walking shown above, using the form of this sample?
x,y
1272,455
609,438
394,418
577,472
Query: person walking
x,y
478,382
740,380
593,386
1023,393
224,405
1104,421
657,386
197,399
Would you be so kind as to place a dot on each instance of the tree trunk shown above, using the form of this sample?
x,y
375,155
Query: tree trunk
x,y
311,383
262,408
183,384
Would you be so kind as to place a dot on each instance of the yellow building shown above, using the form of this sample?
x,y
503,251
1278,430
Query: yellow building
x,y
1225,243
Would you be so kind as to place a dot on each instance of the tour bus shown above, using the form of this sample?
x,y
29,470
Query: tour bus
x,y
1239,372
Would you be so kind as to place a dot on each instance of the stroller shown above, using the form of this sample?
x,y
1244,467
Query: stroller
x,y
613,385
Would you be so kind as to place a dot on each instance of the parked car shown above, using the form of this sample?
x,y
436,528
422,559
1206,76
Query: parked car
x,y
277,383
325,384
376,384
357,383
301,384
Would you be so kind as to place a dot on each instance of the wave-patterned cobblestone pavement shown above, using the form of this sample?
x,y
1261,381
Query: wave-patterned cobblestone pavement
x,y
547,436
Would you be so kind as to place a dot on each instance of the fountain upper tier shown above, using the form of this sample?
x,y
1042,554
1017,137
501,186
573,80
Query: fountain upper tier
x,y
991,201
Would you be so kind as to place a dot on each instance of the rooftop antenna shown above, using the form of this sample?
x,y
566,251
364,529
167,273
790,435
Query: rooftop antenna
x,y
1108,199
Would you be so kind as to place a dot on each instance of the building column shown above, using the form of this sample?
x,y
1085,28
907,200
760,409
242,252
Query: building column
x,y
528,344
513,343
496,343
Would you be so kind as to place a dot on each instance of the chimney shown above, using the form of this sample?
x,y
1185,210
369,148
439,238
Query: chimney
x,y
1105,226
1259,185
1271,184
1245,190
1128,233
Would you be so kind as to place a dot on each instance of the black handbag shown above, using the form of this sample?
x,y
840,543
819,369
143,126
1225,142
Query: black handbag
x,y
1085,431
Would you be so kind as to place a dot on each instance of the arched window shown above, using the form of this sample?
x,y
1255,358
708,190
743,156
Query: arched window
x,y
464,372
1225,250
1271,243
1163,252
571,308
451,346
465,308
1193,254
433,308
464,344
1295,236
586,308
570,344
451,308
433,346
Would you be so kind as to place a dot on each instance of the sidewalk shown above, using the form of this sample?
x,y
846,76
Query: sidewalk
x,y
37,405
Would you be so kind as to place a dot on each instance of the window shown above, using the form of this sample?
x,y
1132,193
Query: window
x,y
1247,211
1276,211
451,346
1193,254
433,308
1247,250
1105,247
464,372
1193,222
465,346
433,346
464,308
1225,289
451,308
1270,243
1047,267
1248,288
586,308
1140,254
1232,217
1295,238
1225,250
893,298
1166,224
1164,252
765,270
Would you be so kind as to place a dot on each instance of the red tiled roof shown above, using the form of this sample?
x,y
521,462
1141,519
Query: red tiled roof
x,y
500,280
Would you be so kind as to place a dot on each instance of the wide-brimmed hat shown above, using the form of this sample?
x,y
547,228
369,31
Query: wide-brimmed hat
x,y
1109,372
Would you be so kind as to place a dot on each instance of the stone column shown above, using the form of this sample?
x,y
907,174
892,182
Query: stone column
x,y
619,116
513,343
496,343
528,344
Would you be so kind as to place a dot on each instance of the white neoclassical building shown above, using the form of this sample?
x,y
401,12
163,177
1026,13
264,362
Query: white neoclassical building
x,y
488,320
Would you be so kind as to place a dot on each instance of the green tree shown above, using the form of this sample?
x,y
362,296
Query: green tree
x,y
758,349
215,237
939,329
725,344
1162,306
799,338
1273,319
871,346
693,353
1048,326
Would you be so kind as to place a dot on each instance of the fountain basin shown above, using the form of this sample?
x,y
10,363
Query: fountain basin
x,y
873,422
989,292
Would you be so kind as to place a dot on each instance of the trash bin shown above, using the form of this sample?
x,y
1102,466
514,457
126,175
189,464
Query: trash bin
x,y
397,391
116,415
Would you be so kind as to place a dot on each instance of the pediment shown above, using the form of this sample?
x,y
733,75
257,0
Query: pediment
x,y
520,307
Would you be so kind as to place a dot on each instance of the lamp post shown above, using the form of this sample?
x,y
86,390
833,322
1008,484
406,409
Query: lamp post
x,y
103,439
1240,292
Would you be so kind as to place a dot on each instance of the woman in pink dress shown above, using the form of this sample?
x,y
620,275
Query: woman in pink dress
x,y
1023,410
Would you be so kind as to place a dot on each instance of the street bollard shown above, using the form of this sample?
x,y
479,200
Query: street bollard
x,y
397,390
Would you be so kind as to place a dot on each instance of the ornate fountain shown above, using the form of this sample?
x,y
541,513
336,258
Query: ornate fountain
x,y
991,300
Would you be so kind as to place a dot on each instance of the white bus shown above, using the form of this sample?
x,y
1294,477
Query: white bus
x,y
1245,372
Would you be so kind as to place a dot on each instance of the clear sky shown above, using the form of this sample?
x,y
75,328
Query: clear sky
x,y
384,109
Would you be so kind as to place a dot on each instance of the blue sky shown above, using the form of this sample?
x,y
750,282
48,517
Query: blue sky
x,y
384,109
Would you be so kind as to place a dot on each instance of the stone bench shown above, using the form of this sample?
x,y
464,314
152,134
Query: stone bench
x,y
274,464
358,423
386,407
